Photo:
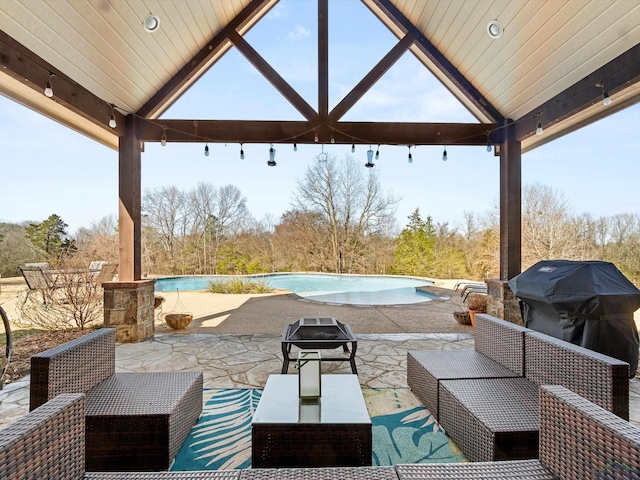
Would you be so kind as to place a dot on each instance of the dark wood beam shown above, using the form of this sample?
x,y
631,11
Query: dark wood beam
x,y
240,131
129,211
323,58
371,78
23,65
274,77
198,65
510,205
618,74
440,61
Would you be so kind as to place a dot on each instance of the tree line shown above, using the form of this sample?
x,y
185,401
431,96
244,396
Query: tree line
x,y
340,220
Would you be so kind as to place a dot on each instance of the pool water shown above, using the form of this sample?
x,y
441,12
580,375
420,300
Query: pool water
x,y
341,289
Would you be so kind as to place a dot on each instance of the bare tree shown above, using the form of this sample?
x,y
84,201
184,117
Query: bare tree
x,y
353,207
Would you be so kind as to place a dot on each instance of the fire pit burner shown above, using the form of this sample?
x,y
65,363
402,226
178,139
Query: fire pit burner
x,y
318,333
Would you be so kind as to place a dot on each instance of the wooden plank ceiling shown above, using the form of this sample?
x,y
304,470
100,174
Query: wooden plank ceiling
x,y
547,62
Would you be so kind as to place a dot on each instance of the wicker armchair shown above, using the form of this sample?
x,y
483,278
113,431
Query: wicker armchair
x,y
134,421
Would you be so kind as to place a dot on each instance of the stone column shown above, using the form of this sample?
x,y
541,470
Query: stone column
x,y
129,308
501,302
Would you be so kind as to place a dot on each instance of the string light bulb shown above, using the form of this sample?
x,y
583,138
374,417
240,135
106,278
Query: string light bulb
x,y
333,140
444,154
410,157
272,156
539,130
353,148
112,119
606,99
315,137
206,149
369,163
48,90
241,152
378,153
489,147
295,147
163,138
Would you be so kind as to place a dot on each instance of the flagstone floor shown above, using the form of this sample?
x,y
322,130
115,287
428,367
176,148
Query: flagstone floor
x,y
245,361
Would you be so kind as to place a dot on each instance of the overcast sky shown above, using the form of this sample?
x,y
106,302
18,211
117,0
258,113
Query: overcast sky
x,y
47,168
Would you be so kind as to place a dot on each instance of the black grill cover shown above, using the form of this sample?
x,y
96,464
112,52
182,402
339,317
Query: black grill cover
x,y
590,304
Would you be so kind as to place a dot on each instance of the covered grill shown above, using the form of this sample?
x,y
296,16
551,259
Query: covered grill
x,y
318,333
590,304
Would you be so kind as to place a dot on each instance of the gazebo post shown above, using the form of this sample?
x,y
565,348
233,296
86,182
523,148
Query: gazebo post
x,y
128,303
501,301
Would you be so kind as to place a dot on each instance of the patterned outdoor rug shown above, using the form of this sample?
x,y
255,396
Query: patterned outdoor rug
x,y
403,431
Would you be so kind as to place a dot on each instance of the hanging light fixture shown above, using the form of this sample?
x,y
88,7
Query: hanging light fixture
x,y
410,157
606,99
163,138
353,148
377,152
241,152
323,156
369,163
489,147
539,130
315,137
206,149
444,154
272,156
295,147
112,118
48,90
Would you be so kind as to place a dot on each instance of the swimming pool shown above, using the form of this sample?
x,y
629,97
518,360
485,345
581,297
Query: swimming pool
x,y
327,288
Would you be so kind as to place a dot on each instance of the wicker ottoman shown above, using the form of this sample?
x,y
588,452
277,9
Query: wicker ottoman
x,y
138,421
491,419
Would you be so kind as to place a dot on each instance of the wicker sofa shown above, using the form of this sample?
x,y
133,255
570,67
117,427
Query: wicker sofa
x,y
134,421
487,399
578,440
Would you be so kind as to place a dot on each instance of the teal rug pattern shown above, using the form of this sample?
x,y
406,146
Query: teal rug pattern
x,y
403,431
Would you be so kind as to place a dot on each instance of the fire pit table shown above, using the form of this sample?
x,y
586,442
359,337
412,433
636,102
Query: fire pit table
x,y
319,333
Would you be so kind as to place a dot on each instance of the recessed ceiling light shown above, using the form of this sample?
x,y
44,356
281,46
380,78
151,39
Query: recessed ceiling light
x,y
495,29
151,23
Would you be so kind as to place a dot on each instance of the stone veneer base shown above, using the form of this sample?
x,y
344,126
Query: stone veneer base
x,y
129,308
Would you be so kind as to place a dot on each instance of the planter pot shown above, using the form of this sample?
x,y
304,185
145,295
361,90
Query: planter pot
x,y
463,318
472,314
178,321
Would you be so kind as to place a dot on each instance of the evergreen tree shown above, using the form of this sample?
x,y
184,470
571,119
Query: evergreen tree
x,y
50,236
415,250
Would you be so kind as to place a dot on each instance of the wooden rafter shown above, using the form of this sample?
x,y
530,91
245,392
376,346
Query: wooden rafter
x,y
440,61
194,69
23,65
323,58
272,76
371,78
389,133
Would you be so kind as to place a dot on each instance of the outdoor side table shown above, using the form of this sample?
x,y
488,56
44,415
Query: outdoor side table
x,y
319,333
333,431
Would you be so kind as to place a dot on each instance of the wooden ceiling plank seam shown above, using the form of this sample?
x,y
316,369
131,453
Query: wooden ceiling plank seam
x,y
457,32
203,60
285,89
145,51
582,60
436,18
476,35
622,72
108,72
170,30
497,69
526,76
583,72
375,74
463,86
192,24
424,16
387,133
476,64
55,45
205,31
214,25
